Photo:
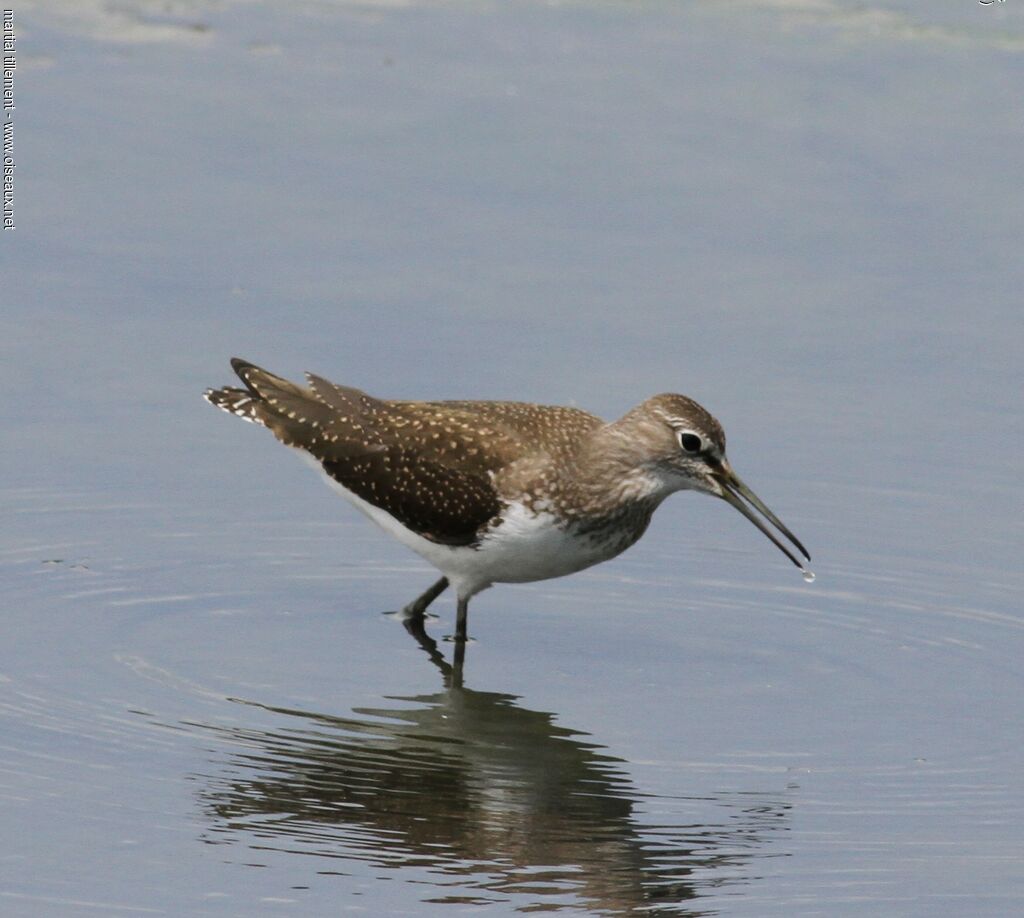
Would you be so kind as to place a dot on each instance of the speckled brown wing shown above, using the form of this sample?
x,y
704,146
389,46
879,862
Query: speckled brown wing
x,y
429,465
440,464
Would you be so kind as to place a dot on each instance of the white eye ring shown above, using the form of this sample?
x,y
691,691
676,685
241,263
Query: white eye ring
x,y
690,442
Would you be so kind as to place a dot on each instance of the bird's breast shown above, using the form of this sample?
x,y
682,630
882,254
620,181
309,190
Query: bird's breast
x,y
527,544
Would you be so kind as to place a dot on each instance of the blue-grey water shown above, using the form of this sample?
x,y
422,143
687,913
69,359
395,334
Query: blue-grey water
x,y
807,215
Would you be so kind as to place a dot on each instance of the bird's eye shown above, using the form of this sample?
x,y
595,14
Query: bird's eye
x,y
690,442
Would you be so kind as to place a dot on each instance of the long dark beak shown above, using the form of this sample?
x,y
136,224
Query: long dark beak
x,y
735,492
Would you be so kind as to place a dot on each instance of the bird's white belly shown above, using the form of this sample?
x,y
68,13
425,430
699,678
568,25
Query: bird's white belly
x,y
526,546
532,546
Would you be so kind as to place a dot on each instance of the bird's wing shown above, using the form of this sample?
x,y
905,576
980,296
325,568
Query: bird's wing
x,y
430,469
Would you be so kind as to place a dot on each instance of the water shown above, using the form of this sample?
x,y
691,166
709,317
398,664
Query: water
x,y
802,215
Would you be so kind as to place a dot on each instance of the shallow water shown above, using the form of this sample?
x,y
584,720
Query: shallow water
x,y
804,215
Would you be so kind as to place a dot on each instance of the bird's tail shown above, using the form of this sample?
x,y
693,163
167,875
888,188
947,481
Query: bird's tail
x,y
293,413
239,402
262,389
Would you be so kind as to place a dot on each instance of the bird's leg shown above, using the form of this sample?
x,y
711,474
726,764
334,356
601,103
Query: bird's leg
x,y
460,619
418,606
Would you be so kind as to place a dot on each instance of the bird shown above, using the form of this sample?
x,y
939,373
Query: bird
x,y
500,491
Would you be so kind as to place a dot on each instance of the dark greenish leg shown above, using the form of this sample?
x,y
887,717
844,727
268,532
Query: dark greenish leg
x,y
460,620
418,606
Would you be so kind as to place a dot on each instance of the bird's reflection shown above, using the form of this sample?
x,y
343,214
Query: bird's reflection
x,y
490,801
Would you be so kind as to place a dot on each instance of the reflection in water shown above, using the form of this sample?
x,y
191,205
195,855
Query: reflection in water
x,y
495,802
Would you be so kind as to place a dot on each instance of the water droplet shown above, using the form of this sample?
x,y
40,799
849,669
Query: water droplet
x,y
809,576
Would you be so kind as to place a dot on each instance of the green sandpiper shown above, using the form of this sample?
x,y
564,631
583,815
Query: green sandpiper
x,y
500,492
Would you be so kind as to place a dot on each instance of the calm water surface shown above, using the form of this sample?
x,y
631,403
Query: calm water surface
x,y
806,215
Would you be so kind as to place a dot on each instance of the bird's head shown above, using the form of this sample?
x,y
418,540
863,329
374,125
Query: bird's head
x,y
685,447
